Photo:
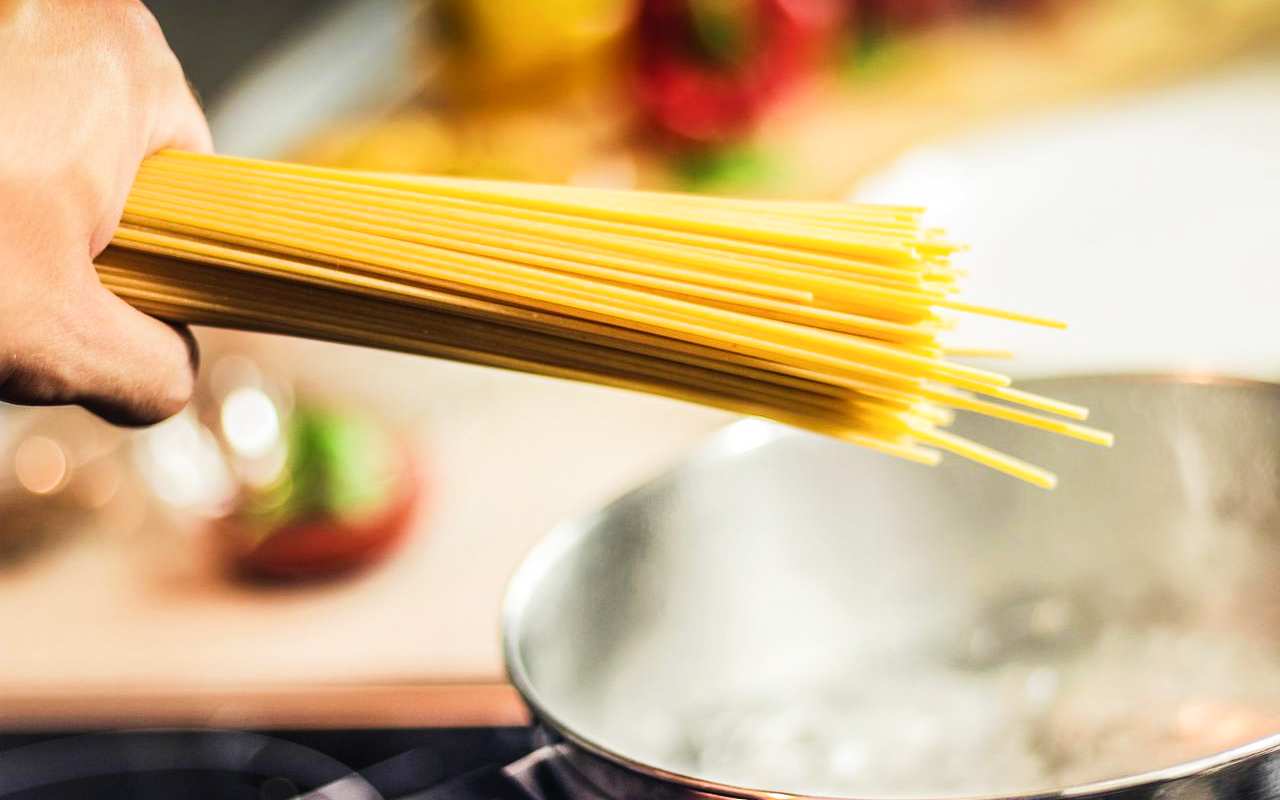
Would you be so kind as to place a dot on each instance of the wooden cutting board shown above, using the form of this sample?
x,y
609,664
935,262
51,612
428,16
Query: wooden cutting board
x,y
142,626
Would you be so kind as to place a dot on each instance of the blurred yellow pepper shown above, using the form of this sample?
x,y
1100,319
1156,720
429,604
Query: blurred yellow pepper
x,y
498,46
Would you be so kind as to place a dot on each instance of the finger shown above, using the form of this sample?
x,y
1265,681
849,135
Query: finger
x,y
144,369
181,124
135,370
185,127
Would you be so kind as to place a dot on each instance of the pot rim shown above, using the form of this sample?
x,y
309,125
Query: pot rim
x,y
747,434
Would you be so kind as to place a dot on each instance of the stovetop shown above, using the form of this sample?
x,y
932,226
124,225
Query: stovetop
x,y
423,764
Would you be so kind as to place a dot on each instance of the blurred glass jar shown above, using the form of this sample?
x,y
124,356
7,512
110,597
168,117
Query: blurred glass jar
x,y
62,471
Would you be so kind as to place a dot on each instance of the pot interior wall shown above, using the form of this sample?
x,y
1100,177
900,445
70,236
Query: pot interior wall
x,y
787,612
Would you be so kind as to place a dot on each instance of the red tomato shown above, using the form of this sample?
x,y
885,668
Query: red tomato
x,y
318,548
696,89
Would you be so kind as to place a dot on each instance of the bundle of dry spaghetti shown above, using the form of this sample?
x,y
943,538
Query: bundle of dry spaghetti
x,y
824,316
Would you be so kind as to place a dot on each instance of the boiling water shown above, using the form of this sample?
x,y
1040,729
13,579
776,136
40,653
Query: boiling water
x,y
1037,696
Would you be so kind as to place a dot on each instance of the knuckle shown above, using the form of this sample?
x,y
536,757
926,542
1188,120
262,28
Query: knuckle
x,y
176,396
137,22
146,53
170,397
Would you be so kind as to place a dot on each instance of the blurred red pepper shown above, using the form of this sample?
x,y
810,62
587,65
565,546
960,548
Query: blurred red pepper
x,y
707,70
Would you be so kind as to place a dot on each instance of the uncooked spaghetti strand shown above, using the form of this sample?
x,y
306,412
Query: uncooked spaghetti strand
x,y
857,290
267,323
847,285
114,259
1074,430
506,215
966,377
818,316
499,336
760,348
821,315
795,235
420,229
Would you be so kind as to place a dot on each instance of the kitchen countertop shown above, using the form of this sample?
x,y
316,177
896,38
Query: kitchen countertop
x,y
108,620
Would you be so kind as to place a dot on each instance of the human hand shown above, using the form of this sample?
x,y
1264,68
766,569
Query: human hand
x,y
88,89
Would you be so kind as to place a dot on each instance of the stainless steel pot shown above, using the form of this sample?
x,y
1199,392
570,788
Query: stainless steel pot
x,y
1132,614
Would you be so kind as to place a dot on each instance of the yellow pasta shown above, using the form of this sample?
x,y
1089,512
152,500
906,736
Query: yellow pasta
x,y
824,316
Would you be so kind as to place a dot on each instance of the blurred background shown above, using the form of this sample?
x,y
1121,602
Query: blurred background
x,y
324,536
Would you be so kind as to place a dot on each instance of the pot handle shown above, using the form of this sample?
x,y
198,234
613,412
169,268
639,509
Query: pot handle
x,y
529,778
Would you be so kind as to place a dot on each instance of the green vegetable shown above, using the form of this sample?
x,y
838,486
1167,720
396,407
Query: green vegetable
x,y
338,466
726,170
871,54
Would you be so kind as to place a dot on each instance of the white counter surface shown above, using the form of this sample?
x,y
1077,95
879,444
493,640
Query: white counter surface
x,y
1150,222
